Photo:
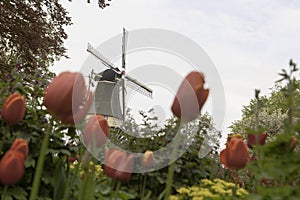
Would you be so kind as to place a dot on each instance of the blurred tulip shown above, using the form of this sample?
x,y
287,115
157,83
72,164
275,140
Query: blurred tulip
x,y
294,142
71,159
118,165
254,139
21,146
235,156
65,97
190,97
223,157
13,109
230,136
96,131
11,167
148,159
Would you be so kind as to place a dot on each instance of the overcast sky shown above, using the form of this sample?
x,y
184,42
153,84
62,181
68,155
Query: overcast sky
x,y
249,41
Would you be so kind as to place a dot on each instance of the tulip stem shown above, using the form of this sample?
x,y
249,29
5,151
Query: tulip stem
x,y
4,192
171,171
236,183
117,189
144,186
40,165
71,183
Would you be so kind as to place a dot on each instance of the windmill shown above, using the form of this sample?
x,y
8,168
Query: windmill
x,y
110,83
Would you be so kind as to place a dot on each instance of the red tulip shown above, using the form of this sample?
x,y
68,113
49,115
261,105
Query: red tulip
x,y
13,109
254,139
235,155
223,157
71,159
21,146
11,167
65,97
190,97
118,165
294,142
148,159
96,131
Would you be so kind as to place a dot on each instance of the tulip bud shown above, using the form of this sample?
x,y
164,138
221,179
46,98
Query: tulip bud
x,y
71,159
21,146
118,165
294,142
11,167
13,109
223,157
65,97
148,159
235,156
190,97
96,131
254,139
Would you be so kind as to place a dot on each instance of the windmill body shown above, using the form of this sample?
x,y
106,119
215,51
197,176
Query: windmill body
x,y
110,93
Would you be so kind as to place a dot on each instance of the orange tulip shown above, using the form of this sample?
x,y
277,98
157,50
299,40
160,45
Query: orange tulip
x,y
96,131
223,157
65,97
148,159
12,166
254,139
294,142
20,145
118,165
190,97
235,156
71,159
13,109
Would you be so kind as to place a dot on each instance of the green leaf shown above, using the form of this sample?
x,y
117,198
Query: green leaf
x,y
57,151
148,195
30,162
124,195
59,181
104,189
87,187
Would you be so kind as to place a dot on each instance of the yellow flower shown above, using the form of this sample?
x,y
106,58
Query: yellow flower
x,y
242,192
217,180
173,197
206,182
72,167
197,198
218,189
183,190
98,169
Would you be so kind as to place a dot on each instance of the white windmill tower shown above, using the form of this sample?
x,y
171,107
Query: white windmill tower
x,y
110,83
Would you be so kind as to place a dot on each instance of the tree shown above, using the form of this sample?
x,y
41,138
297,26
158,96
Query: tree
x,y
33,31
266,113
101,3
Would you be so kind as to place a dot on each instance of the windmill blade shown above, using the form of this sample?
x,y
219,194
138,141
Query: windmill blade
x,y
106,62
124,47
138,86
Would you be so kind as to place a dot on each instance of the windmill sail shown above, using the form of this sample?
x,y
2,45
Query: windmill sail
x,y
124,47
138,86
105,62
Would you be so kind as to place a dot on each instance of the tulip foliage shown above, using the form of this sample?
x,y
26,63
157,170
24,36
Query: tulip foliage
x,y
25,118
272,170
